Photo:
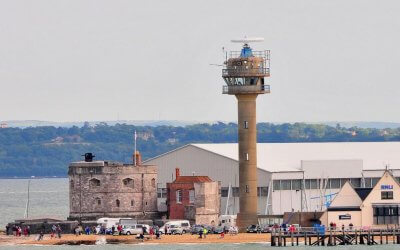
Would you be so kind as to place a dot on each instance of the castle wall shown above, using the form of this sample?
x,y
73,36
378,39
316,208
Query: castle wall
x,y
102,189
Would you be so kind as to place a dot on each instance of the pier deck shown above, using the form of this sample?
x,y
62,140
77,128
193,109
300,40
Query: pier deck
x,y
333,238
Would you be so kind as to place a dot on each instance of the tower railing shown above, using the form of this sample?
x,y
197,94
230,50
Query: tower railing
x,y
245,72
263,53
245,89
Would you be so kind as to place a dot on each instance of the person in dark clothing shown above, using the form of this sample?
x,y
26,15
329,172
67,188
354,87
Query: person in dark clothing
x,y
59,231
41,235
158,234
7,228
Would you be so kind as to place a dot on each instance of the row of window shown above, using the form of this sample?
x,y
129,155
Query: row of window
x,y
179,196
243,80
386,215
261,191
334,183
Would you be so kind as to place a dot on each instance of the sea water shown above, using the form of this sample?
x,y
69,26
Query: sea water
x,y
47,198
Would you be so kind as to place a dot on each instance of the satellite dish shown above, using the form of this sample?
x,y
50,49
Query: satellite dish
x,y
248,40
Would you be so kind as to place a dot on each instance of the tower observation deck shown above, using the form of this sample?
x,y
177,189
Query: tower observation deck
x,y
244,74
245,70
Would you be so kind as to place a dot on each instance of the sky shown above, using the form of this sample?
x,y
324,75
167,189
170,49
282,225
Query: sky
x,y
80,60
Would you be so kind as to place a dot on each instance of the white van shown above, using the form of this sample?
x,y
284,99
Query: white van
x,y
227,220
135,229
184,224
110,222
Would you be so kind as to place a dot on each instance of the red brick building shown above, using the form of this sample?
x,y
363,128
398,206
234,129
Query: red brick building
x,y
194,198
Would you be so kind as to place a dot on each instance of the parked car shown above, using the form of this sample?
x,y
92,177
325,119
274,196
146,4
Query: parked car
x,y
175,229
266,229
252,229
196,229
217,230
135,229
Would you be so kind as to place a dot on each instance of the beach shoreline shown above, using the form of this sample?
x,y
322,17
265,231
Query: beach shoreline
x,y
70,239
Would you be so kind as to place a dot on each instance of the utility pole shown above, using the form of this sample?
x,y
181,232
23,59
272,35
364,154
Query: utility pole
x,y
134,154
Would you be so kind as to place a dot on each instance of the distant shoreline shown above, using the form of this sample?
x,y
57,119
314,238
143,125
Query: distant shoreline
x,y
32,178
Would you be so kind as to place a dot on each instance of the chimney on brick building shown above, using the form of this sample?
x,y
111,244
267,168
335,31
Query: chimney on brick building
x,y
138,158
177,172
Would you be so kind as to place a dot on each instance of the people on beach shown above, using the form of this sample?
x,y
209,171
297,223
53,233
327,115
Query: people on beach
x,y
204,232
87,230
18,231
200,233
58,230
119,229
40,237
151,233
158,234
7,229
292,229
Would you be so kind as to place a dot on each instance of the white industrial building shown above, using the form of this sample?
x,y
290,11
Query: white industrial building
x,y
282,168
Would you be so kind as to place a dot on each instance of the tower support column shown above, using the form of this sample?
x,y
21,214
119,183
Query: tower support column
x,y
247,133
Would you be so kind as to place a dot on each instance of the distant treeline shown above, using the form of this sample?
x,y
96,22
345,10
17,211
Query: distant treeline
x,y
46,151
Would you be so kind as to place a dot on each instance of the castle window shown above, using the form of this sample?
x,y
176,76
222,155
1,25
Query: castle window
x,y
246,124
117,202
247,156
247,189
153,183
98,201
128,182
94,182
132,203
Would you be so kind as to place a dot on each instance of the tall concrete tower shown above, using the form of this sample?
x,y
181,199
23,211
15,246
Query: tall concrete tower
x,y
244,73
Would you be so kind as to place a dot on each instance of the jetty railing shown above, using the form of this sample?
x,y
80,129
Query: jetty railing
x,y
319,236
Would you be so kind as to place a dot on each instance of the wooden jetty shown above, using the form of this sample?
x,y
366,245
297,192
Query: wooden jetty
x,y
334,237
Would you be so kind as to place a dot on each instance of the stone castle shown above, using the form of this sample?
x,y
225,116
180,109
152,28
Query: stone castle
x,y
112,189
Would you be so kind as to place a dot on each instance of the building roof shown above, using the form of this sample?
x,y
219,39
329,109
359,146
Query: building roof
x,y
192,179
279,157
363,192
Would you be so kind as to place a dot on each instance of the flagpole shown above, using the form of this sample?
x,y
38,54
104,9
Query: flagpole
x,y
134,154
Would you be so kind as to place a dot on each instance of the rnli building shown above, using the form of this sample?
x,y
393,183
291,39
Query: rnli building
x,y
366,207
